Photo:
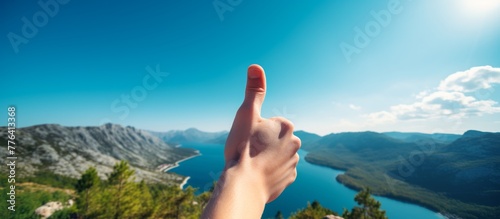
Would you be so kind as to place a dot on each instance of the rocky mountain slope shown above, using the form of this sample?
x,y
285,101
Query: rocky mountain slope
x,y
71,150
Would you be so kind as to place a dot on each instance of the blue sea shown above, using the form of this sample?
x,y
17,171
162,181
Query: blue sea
x,y
313,183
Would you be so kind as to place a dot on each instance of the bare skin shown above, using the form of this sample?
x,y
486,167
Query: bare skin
x,y
260,155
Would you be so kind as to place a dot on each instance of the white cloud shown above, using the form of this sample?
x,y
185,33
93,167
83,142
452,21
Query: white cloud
x,y
354,107
381,117
422,94
481,77
444,104
448,100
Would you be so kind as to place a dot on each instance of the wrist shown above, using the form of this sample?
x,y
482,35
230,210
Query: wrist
x,y
248,182
236,195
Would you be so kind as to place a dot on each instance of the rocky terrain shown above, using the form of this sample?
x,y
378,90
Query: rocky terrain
x,y
70,151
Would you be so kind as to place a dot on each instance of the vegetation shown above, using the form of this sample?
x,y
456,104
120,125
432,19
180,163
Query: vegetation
x,y
27,200
369,207
312,211
46,177
120,196
117,197
406,170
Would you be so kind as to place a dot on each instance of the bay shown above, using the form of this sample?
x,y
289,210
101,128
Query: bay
x,y
313,183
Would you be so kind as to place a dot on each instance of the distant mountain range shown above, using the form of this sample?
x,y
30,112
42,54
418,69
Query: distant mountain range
x,y
191,135
415,136
458,175
468,169
70,151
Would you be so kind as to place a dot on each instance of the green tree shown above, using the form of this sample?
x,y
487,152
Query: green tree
x,y
120,194
172,202
369,207
185,203
87,189
88,179
312,211
203,199
278,215
164,207
65,213
147,200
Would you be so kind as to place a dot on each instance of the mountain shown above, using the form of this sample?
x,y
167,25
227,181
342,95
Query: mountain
x,y
467,169
416,136
459,178
357,149
473,133
362,144
306,138
70,151
191,135
219,140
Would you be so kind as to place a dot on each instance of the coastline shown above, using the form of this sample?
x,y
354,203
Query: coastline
x,y
176,164
184,182
403,199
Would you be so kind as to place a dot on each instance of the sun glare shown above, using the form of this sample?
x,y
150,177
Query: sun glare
x,y
479,8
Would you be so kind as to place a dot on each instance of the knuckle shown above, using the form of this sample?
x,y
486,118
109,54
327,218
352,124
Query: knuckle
x,y
287,124
294,175
297,142
282,120
255,91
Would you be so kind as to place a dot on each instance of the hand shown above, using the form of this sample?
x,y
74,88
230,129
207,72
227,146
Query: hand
x,y
260,154
266,146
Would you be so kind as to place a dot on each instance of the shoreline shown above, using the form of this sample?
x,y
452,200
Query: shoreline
x,y
184,182
176,164
402,199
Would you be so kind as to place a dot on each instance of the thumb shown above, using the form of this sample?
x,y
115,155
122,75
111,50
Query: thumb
x,y
256,89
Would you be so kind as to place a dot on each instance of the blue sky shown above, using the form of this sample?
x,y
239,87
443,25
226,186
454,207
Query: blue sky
x,y
410,65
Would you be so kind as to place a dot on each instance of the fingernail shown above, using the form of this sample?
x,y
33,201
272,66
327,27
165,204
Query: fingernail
x,y
253,73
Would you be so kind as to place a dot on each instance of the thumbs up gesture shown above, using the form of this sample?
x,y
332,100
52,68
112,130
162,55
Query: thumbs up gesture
x,y
265,147
260,154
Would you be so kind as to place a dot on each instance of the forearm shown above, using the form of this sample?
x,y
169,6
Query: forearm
x,y
236,195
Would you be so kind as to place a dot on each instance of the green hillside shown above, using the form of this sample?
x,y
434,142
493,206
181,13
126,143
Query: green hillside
x,y
460,178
